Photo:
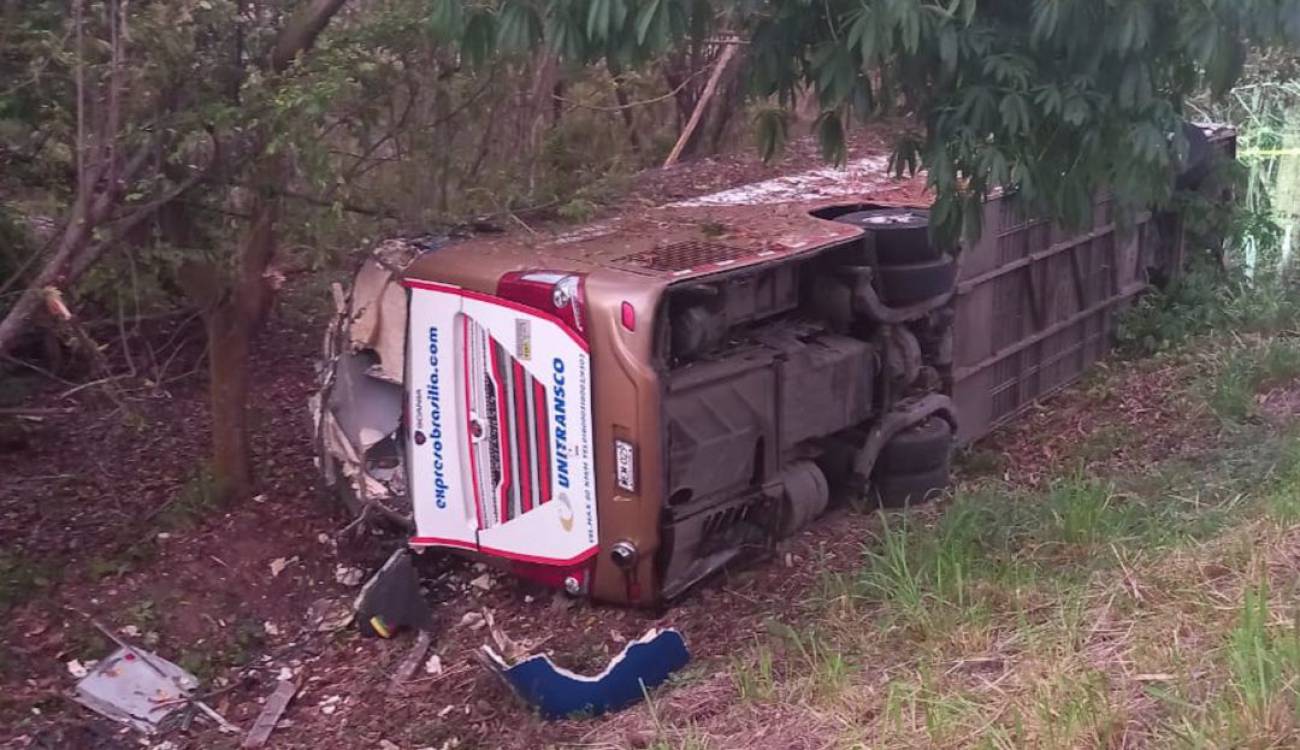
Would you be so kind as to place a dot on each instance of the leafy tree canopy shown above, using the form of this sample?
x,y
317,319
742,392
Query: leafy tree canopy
x,y
1052,98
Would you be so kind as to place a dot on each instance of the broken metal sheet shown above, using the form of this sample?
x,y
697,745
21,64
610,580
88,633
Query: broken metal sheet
x,y
391,600
358,410
378,319
556,692
135,687
389,343
367,409
367,288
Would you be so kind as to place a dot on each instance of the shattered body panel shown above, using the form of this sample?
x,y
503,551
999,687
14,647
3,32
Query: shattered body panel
x,y
357,411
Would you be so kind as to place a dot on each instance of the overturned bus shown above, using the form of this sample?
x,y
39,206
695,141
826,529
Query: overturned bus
x,y
621,410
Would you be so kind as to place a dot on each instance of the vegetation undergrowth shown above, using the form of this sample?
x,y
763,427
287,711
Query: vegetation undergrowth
x,y
1111,606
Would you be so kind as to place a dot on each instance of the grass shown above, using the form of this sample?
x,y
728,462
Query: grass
x,y
1149,604
199,497
1247,371
22,577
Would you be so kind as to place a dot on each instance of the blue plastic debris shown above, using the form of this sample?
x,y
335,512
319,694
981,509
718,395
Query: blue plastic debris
x,y
556,692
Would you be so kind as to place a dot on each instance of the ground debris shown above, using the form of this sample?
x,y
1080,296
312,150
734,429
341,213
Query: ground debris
x,y
136,688
348,575
271,713
557,693
406,668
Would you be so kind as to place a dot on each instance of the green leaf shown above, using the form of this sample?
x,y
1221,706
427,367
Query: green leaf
x,y
863,33
834,74
909,26
1049,99
830,134
948,48
564,38
906,158
1046,14
446,20
1076,110
771,124
518,28
479,39
598,19
646,18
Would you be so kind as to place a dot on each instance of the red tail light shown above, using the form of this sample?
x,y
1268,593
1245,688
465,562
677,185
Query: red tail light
x,y
568,578
555,293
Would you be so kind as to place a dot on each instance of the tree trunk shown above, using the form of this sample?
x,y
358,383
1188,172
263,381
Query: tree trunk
x,y
232,320
701,104
228,348
624,106
236,313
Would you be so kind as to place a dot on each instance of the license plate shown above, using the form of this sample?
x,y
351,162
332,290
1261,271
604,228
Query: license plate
x,y
625,465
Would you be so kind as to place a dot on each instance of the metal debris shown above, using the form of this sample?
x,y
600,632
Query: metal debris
x,y
135,687
557,693
392,601
364,355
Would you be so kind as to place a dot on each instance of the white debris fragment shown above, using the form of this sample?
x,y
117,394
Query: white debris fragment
x,y
348,575
330,704
448,709
434,665
285,674
271,628
483,582
327,615
130,631
280,563
387,745
829,182
259,498
323,538
77,669
473,620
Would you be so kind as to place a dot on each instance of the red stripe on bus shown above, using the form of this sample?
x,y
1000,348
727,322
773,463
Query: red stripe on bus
x,y
543,443
521,431
498,377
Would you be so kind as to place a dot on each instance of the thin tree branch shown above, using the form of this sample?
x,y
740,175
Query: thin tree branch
x,y
703,103
301,32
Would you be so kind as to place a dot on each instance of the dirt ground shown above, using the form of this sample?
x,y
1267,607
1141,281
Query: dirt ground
x,y
105,521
